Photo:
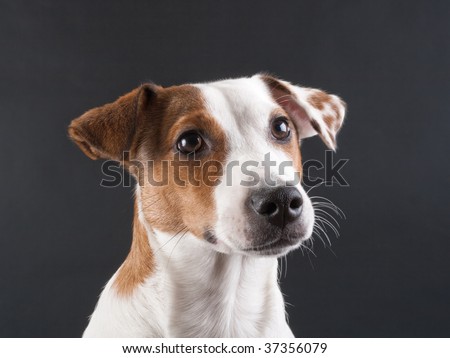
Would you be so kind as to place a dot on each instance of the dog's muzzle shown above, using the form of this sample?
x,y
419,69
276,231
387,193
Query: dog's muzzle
x,y
274,218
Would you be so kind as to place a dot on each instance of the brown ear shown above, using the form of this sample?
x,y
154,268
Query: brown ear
x,y
107,131
313,111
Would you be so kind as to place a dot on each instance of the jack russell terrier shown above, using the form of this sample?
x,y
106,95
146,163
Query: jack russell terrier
x,y
203,259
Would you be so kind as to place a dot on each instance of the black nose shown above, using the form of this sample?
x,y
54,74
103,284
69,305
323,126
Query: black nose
x,y
279,206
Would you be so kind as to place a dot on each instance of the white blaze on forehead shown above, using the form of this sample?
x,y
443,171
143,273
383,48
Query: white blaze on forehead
x,y
243,108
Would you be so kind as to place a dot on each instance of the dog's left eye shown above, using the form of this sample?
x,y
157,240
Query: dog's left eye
x,y
280,128
189,142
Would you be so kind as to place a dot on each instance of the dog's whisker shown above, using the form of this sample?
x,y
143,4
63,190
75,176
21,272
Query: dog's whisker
x,y
327,201
148,205
280,268
339,212
330,208
176,244
324,204
316,224
168,241
327,222
320,212
310,261
308,249
286,266
324,244
310,242
328,214
319,236
317,233
315,186
321,222
332,252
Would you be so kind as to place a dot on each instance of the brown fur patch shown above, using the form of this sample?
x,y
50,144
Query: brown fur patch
x,y
107,131
176,208
139,263
318,99
279,91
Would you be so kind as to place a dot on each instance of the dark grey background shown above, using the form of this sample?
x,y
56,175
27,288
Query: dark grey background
x,y
63,236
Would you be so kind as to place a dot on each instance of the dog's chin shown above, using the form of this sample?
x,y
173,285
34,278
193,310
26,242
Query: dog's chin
x,y
268,243
269,240
278,245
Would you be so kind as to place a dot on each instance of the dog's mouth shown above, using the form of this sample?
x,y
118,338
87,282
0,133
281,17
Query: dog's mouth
x,y
210,237
275,247
279,245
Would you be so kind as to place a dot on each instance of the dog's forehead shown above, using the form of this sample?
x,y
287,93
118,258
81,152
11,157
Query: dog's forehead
x,y
242,105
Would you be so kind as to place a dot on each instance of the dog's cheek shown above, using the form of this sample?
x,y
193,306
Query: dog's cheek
x,y
230,197
160,202
185,202
160,210
199,210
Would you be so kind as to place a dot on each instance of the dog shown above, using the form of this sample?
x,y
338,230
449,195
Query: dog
x,y
203,259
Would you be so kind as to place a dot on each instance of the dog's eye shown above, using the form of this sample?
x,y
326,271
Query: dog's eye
x,y
189,142
280,128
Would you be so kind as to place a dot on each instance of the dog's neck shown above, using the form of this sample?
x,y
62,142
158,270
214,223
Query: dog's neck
x,y
211,294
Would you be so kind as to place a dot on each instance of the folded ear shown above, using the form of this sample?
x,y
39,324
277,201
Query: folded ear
x,y
107,131
313,111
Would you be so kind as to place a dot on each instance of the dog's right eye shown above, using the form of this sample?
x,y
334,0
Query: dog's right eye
x,y
189,142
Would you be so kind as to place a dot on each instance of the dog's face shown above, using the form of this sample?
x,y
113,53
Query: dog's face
x,y
219,160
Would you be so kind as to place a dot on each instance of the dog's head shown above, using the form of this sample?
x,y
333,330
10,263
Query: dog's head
x,y
220,160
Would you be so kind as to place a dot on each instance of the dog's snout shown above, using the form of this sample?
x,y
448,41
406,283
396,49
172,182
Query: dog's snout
x,y
279,206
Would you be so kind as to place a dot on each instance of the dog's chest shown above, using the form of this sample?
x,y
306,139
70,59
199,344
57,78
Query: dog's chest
x,y
229,301
216,316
